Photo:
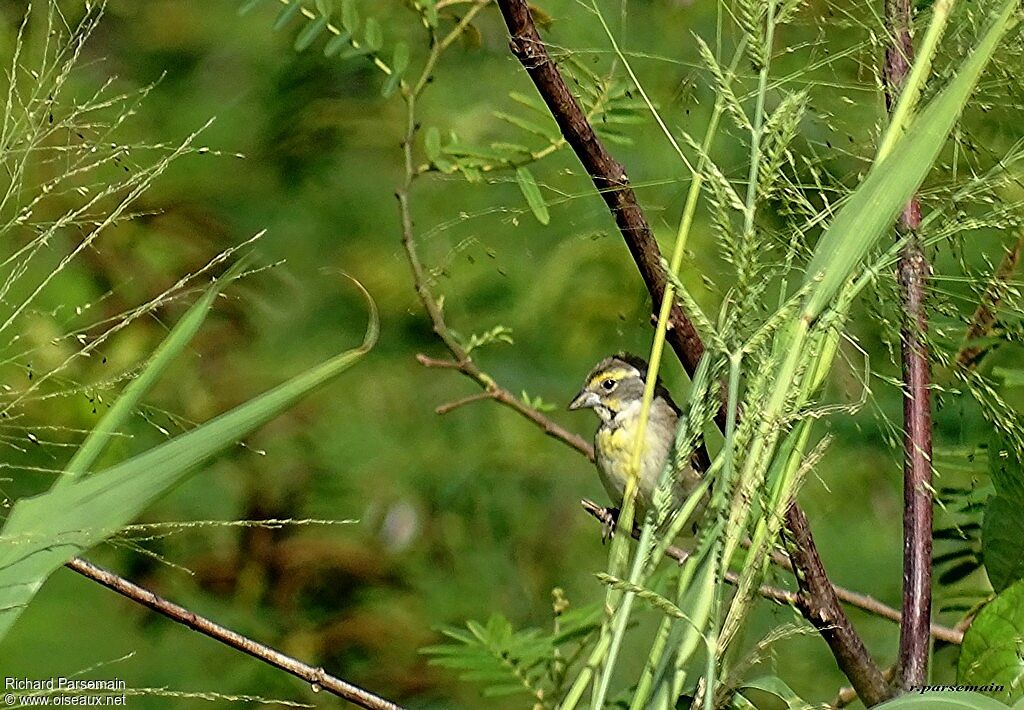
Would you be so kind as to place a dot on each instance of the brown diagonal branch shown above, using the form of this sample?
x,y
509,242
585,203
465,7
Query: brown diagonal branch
x,y
317,676
608,175
611,181
912,665
821,607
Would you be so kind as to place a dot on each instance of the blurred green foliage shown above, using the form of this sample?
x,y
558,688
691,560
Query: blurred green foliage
x,y
460,515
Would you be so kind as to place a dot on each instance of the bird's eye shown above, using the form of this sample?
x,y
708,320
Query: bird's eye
x,y
608,385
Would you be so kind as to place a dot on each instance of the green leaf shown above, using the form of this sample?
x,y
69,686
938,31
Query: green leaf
x,y
287,13
400,59
1011,376
991,651
374,35
309,33
430,12
249,6
528,186
325,7
1001,537
1005,470
349,16
549,133
942,701
871,210
352,52
432,143
44,531
336,43
117,415
399,63
391,85
773,685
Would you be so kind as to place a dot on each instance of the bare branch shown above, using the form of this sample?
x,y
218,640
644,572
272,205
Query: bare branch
x,y
317,676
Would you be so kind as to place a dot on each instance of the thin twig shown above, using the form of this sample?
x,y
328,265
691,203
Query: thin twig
x,y
451,406
320,679
612,183
434,362
912,667
461,358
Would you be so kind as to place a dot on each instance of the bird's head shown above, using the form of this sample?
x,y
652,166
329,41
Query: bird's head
x,y
615,383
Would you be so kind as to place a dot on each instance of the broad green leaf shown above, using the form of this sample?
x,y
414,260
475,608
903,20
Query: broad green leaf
x,y
325,7
310,32
872,208
528,186
44,531
942,701
991,651
117,415
1001,537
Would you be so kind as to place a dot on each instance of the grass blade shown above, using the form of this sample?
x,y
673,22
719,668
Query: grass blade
x,y
872,209
169,349
45,531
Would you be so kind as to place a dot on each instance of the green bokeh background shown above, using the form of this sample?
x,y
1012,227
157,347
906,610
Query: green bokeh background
x,y
458,516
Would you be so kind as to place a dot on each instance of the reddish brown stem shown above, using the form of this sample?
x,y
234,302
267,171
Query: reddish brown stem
x,y
912,665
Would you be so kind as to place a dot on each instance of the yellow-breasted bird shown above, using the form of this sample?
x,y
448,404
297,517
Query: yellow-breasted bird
x,y
614,389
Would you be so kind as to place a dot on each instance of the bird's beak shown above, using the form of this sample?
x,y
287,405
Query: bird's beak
x,y
585,399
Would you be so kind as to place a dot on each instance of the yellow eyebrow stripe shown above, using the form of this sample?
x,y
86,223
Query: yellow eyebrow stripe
x,y
616,375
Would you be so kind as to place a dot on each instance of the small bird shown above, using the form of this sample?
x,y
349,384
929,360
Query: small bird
x,y
614,389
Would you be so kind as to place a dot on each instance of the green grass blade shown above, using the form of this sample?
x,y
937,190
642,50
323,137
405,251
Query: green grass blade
x,y
44,531
169,349
871,210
